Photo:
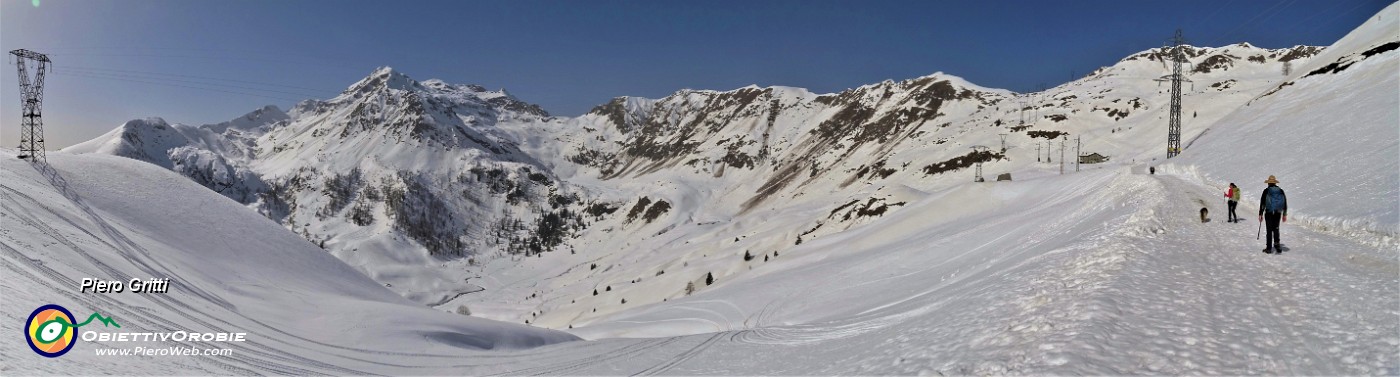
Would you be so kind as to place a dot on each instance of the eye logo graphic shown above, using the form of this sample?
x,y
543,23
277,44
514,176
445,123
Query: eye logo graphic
x,y
50,330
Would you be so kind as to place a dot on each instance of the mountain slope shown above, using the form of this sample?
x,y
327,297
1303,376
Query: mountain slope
x,y
230,270
419,183
405,180
753,174
841,233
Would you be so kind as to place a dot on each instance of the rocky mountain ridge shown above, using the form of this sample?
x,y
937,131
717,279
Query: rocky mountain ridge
x,y
406,179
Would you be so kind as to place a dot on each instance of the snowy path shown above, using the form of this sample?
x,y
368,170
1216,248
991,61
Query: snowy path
x,y
1203,299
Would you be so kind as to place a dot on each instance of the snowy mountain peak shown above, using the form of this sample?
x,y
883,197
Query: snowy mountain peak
x,y
148,122
251,121
146,139
383,78
959,82
386,85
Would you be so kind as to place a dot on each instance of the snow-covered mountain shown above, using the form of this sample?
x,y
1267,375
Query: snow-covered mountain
x,y
413,182
753,174
416,183
777,231
395,176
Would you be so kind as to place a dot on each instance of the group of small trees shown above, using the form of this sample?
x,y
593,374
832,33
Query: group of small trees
x,y
690,286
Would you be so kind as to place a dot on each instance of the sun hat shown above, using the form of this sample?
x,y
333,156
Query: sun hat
x,y
1271,180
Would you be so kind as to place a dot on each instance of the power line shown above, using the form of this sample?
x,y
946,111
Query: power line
x,y
145,81
1335,4
1271,15
1335,18
1195,21
324,63
221,53
86,75
1230,34
187,76
80,70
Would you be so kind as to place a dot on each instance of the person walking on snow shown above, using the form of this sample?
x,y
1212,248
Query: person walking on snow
x,y
1233,196
1273,206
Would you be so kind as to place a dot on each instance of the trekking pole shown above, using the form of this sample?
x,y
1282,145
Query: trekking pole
x,y
1261,228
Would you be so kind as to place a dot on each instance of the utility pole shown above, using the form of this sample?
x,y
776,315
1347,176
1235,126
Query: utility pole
x,y
1062,157
1039,97
1174,123
1077,155
1037,152
1048,148
1023,110
1003,142
31,94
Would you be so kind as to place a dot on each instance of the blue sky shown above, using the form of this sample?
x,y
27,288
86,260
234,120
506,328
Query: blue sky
x,y
200,62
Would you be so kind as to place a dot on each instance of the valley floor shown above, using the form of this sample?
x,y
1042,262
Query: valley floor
x,y
1109,272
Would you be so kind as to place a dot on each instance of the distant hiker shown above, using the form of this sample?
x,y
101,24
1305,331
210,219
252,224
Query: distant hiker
x,y
1151,170
1233,199
1273,207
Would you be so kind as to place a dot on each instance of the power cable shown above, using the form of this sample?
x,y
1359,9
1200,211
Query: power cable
x,y
190,76
1335,4
191,82
86,75
1195,21
1279,5
322,65
1335,18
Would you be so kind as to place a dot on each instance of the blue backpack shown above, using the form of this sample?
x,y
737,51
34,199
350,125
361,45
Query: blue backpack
x,y
1274,201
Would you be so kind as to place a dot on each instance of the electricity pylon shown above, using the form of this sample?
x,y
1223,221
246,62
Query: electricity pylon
x,y
31,94
1174,123
977,151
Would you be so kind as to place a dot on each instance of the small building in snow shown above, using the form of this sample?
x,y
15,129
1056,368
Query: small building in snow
x,y
1092,158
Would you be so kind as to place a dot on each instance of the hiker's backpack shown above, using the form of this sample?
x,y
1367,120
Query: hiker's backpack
x,y
1274,200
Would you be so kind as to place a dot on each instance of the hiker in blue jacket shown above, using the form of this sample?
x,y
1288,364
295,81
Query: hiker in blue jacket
x,y
1273,206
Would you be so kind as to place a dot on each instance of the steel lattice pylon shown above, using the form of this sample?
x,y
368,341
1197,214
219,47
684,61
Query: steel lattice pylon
x,y
978,153
1174,122
31,95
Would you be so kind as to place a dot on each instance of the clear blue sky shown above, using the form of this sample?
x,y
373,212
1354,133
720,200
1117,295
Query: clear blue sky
x,y
120,60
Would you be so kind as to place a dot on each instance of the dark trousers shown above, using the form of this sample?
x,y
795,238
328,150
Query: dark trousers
x,y
1271,223
1233,216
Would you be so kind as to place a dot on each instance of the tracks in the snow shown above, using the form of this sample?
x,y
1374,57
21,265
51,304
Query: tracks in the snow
x,y
592,360
682,357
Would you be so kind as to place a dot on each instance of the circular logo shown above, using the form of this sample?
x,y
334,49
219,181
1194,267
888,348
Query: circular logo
x,y
50,331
